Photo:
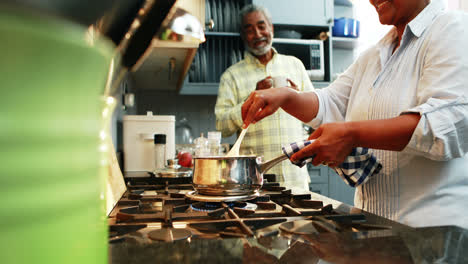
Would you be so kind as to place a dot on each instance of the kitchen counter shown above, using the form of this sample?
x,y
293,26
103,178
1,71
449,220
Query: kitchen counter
x,y
421,245
397,244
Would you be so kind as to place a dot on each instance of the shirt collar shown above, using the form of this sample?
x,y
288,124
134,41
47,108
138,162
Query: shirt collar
x,y
425,17
250,58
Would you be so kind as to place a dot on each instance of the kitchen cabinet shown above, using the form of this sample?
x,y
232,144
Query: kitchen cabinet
x,y
319,179
338,189
326,181
299,12
168,61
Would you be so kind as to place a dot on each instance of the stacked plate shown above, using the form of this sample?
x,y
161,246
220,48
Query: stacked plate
x,y
224,14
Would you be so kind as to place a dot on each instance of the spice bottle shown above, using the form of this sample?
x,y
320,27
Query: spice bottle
x,y
159,151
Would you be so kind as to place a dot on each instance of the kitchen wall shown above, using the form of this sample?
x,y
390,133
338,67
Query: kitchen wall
x,y
198,109
117,117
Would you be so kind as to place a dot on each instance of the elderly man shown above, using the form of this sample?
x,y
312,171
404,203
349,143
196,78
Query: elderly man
x,y
261,63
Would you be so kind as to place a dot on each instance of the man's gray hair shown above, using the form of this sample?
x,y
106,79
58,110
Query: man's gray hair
x,y
253,8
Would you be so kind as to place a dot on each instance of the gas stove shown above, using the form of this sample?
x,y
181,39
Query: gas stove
x,y
170,209
165,220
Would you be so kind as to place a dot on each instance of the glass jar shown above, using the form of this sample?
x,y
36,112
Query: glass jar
x,y
214,143
201,146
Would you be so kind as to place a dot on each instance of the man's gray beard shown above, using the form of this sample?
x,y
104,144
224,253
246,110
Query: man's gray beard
x,y
260,50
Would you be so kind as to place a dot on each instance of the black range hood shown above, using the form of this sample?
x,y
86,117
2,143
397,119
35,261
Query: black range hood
x,y
113,18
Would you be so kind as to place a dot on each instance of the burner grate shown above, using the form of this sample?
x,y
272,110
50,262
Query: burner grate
x,y
212,206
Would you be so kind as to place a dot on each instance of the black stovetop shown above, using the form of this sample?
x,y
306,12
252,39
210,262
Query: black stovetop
x,y
155,216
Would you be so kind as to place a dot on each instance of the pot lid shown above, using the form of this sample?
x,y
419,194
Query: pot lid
x,y
173,170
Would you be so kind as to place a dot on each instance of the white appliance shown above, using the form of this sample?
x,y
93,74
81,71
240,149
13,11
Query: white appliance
x,y
138,140
309,51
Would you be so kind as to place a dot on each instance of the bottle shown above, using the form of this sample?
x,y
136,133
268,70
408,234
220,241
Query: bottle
x,y
159,151
214,143
201,146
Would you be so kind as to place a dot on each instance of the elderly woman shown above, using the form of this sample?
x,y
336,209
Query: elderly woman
x,y
406,98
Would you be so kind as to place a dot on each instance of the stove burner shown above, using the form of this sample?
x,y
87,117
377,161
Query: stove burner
x,y
212,206
209,206
169,234
193,195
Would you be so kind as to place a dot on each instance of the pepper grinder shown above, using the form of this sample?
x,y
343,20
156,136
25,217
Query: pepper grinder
x,y
159,151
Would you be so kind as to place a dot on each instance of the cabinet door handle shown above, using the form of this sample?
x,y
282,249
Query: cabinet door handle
x,y
210,24
172,62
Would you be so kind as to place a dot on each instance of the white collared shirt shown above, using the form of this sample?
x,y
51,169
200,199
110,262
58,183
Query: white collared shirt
x,y
426,183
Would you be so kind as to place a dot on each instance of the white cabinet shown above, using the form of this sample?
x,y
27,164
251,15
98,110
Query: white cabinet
x,y
299,12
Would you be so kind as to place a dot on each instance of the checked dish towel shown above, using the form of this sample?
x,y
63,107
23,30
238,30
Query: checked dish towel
x,y
357,168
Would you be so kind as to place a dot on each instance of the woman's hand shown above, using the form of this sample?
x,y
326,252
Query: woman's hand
x,y
262,103
333,142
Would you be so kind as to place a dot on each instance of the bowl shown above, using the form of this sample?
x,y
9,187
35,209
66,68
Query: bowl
x,y
345,27
291,34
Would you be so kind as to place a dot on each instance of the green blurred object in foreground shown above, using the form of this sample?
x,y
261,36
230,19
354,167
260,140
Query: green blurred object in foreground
x,y
52,173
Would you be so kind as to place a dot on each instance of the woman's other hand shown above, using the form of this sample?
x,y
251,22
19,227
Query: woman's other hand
x,y
333,142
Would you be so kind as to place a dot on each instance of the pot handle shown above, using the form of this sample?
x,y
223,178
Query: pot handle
x,y
269,164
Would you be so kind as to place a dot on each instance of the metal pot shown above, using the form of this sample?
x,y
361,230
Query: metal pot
x,y
221,176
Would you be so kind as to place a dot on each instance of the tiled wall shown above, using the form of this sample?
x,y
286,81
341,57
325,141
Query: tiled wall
x,y
198,109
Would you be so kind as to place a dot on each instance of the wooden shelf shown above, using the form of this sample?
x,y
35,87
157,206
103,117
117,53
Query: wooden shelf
x,y
157,43
190,88
224,34
199,88
343,2
345,43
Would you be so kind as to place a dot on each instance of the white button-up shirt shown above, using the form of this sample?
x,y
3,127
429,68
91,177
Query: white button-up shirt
x,y
426,183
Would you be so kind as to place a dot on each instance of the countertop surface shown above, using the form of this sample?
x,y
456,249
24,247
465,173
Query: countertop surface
x,y
446,244
400,244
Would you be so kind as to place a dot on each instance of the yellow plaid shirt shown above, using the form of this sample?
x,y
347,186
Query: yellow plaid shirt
x,y
266,137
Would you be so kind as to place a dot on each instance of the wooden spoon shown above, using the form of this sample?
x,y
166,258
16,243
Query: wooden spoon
x,y
234,152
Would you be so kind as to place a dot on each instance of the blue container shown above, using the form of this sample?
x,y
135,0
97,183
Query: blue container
x,y
345,27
